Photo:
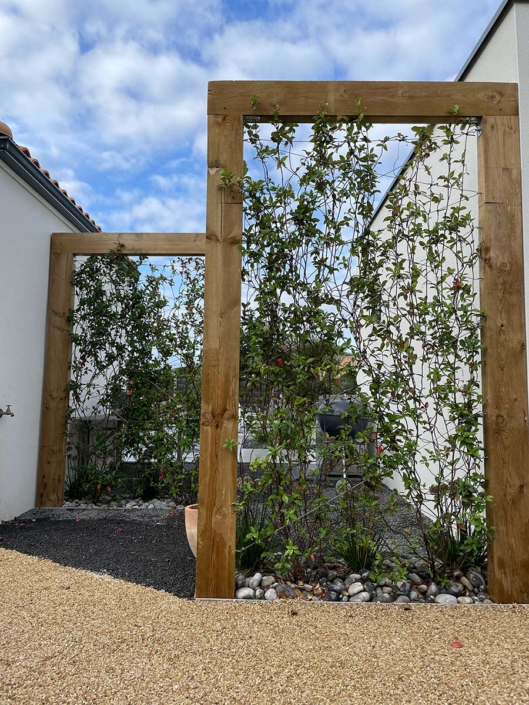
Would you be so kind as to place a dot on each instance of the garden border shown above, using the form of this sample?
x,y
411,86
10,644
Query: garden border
x,y
501,290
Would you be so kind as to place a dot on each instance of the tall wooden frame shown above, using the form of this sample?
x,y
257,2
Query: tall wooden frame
x,y
502,297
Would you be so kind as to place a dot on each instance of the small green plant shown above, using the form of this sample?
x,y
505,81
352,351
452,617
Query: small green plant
x,y
250,543
230,444
360,549
457,548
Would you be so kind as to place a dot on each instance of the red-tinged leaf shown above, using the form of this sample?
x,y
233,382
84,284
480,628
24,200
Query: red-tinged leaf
x,y
312,557
79,519
120,529
456,644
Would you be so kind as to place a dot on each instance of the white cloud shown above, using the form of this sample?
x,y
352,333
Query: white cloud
x,y
121,88
158,214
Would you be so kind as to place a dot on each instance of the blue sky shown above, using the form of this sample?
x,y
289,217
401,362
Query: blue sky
x,y
111,96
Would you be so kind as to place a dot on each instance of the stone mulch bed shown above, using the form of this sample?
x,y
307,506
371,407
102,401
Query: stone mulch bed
x,y
330,585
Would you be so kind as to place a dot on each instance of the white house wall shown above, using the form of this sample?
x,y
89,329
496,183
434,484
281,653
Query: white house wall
x,y
25,227
499,61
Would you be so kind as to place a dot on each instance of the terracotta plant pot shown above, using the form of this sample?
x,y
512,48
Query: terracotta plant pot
x,y
191,519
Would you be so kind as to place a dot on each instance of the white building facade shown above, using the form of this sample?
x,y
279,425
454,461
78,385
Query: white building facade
x,y
32,207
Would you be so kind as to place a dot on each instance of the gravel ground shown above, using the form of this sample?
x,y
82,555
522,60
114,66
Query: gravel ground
x,y
147,547
69,636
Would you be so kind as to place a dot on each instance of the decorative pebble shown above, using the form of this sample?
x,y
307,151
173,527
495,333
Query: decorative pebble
x,y
360,597
259,594
355,588
402,599
267,581
465,600
270,595
466,582
455,589
475,578
384,598
255,581
446,599
414,578
432,591
245,593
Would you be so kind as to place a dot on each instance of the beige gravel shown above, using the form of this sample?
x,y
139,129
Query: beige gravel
x,y
70,636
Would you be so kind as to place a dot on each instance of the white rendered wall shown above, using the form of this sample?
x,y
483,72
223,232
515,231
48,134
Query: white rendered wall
x,y
499,61
27,222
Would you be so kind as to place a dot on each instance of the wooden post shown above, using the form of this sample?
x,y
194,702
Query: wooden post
x,y
50,486
215,575
505,362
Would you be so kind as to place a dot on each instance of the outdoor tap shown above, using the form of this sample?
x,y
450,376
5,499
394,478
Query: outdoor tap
x,y
7,412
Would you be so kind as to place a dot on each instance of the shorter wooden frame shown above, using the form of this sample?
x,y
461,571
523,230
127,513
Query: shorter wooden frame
x,y
52,457
175,244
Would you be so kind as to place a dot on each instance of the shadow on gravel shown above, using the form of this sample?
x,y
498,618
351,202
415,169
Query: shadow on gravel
x,y
152,552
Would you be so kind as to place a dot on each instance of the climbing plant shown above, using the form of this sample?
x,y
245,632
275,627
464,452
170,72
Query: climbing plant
x,y
133,419
393,310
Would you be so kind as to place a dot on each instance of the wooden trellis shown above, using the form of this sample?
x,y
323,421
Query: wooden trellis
x,y
502,297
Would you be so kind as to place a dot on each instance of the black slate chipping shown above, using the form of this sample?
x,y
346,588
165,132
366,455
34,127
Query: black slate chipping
x,y
152,551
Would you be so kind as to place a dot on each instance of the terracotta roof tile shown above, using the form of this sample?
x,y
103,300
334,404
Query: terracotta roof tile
x,y
5,130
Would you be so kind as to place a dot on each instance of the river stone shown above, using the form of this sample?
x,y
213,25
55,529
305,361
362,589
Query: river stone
x,y
331,575
456,589
421,565
255,581
267,581
466,582
402,599
386,599
422,588
245,593
414,578
355,588
387,591
414,596
432,591
285,591
465,600
240,581
446,600
476,579
404,587
270,595
360,597
333,596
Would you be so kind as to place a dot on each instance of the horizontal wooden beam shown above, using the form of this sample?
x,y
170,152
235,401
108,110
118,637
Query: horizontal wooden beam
x,y
177,244
380,101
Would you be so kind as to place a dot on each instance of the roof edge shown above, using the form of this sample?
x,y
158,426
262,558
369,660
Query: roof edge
x,y
17,161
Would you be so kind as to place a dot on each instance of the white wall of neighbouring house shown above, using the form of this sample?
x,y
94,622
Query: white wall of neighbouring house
x,y
503,57
26,224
